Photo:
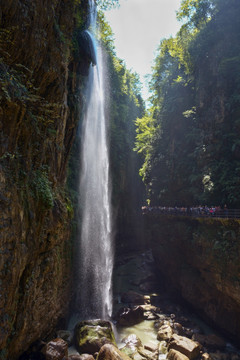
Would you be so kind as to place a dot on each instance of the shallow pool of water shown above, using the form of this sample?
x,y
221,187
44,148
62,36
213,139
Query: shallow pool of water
x,y
144,330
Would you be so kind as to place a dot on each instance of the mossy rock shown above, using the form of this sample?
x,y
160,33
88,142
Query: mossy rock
x,y
91,335
110,352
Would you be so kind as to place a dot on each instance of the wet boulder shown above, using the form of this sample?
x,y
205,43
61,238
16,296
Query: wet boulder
x,y
129,317
165,332
91,335
206,356
80,357
86,357
132,340
162,320
132,343
111,352
178,329
162,347
66,336
130,351
56,349
176,355
185,346
150,312
147,354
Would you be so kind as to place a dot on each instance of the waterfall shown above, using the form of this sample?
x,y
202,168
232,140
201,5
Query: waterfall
x,y
96,253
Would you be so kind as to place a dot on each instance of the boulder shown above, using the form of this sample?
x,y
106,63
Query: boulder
x,y
56,349
165,332
187,332
151,347
148,315
206,356
149,355
66,336
176,355
162,347
150,312
132,297
137,356
178,329
110,352
87,357
91,335
211,341
185,346
152,308
132,340
160,322
80,357
130,350
129,317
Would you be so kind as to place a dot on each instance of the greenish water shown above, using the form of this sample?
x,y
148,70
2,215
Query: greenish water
x,y
144,330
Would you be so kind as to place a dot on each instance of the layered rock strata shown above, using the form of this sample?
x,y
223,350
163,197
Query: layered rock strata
x,y
40,101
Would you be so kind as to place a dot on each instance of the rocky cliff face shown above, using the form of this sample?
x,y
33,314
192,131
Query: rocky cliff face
x,y
199,261
40,101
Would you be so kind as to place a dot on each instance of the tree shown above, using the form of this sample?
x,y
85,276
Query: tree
x,y
196,12
192,153
106,4
125,105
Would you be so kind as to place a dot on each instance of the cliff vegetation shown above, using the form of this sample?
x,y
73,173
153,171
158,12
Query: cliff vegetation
x,y
190,136
41,72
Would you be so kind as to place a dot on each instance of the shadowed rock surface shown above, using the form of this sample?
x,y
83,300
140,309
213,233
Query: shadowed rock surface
x,y
198,261
40,102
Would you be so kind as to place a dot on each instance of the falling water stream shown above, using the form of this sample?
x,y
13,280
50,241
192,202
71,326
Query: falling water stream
x,y
96,255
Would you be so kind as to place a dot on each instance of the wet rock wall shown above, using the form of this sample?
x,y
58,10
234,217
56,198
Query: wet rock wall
x,y
41,76
198,261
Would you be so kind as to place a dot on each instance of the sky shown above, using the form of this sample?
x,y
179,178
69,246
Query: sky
x,y
138,27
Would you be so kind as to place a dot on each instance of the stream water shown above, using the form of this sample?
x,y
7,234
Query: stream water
x,y
96,254
136,272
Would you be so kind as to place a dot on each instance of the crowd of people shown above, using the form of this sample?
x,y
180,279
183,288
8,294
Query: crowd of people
x,y
205,211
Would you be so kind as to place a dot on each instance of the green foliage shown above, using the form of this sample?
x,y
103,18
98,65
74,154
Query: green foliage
x,y
80,13
192,150
105,34
42,188
125,105
197,12
106,4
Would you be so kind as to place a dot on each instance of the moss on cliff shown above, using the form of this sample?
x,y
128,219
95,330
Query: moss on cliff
x,y
40,105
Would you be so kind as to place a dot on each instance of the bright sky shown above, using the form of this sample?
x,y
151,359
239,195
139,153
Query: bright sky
x,y
138,26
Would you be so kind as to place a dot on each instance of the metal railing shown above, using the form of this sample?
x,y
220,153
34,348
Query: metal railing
x,y
193,211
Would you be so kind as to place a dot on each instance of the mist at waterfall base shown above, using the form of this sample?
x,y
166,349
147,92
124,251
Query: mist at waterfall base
x,y
94,298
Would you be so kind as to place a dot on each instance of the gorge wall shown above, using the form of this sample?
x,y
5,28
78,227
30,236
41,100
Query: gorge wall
x,y
42,68
198,260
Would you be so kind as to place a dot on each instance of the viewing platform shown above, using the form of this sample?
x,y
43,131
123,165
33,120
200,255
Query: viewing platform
x,y
201,211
